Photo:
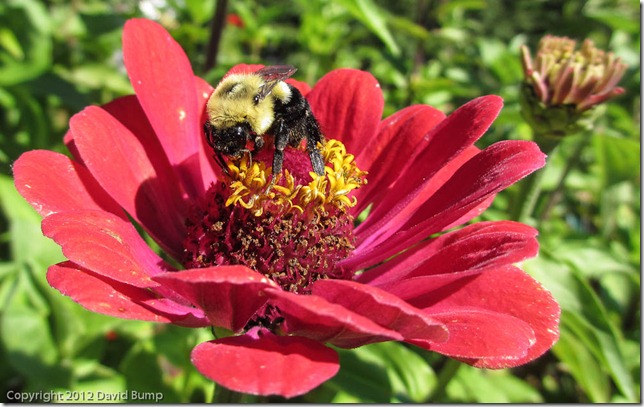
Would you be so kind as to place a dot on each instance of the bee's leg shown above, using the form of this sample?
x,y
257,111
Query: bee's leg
x,y
219,159
313,137
259,143
208,130
281,141
316,158
250,155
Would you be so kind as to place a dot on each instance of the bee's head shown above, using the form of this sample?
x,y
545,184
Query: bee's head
x,y
230,141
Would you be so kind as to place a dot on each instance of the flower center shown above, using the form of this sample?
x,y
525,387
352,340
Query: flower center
x,y
293,232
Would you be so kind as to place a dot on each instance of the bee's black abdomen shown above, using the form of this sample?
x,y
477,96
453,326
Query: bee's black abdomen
x,y
295,121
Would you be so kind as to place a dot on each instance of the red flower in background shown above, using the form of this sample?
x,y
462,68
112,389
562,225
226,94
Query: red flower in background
x,y
235,19
145,156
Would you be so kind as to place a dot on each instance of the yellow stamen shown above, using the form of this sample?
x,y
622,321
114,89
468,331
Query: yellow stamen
x,y
249,182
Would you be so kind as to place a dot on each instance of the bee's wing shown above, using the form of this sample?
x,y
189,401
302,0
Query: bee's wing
x,y
272,75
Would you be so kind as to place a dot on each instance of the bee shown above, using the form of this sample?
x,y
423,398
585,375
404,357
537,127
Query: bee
x,y
245,107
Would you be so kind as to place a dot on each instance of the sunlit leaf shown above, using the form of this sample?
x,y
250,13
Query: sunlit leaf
x,y
411,376
489,386
31,27
606,348
590,261
36,358
28,244
369,14
618,158
583,366
362,377
143,369
587,317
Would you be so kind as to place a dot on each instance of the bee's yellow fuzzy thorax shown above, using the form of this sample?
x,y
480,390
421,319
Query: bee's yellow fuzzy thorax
x,y
232,102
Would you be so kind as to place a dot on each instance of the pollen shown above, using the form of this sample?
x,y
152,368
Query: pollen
x,y
250,185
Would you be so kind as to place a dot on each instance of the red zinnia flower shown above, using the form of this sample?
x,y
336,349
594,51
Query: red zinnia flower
x,y
145,157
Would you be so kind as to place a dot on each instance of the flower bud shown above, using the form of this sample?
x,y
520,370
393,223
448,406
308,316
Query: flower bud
x,y
563,86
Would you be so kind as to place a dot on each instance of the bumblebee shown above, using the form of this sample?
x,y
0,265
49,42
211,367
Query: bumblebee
x,y
245,107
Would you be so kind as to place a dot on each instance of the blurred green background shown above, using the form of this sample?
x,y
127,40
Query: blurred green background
x,y
57,57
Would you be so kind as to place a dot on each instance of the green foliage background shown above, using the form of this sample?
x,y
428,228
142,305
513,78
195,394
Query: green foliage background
x,y
57,57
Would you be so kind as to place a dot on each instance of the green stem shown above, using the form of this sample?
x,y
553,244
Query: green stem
x,y
571,163
530,187
447,373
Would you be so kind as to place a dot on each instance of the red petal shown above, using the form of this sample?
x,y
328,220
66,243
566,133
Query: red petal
x,y
513,292
489,172
106,245
348,104
382,308
421,292
164,83
107,297
506,290
478,246
445,143
384,221
53,183
484,335
129,112
493,169
120,162
206,162
448,145
266,364
314,317
229,295
400,135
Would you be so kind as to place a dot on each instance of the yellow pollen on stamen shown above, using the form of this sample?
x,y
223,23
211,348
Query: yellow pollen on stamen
x,y
249,182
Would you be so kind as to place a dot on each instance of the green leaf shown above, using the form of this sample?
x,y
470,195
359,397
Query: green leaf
x,y
620,292
161,363
411,376
581,364
618,159
10,43
362,378
30,348
200,11
382,373
30,26
588,260
490,386
447,8
617,16
28,245
586,316
95,383
369,14
144,372
98,76
404,25
606,348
